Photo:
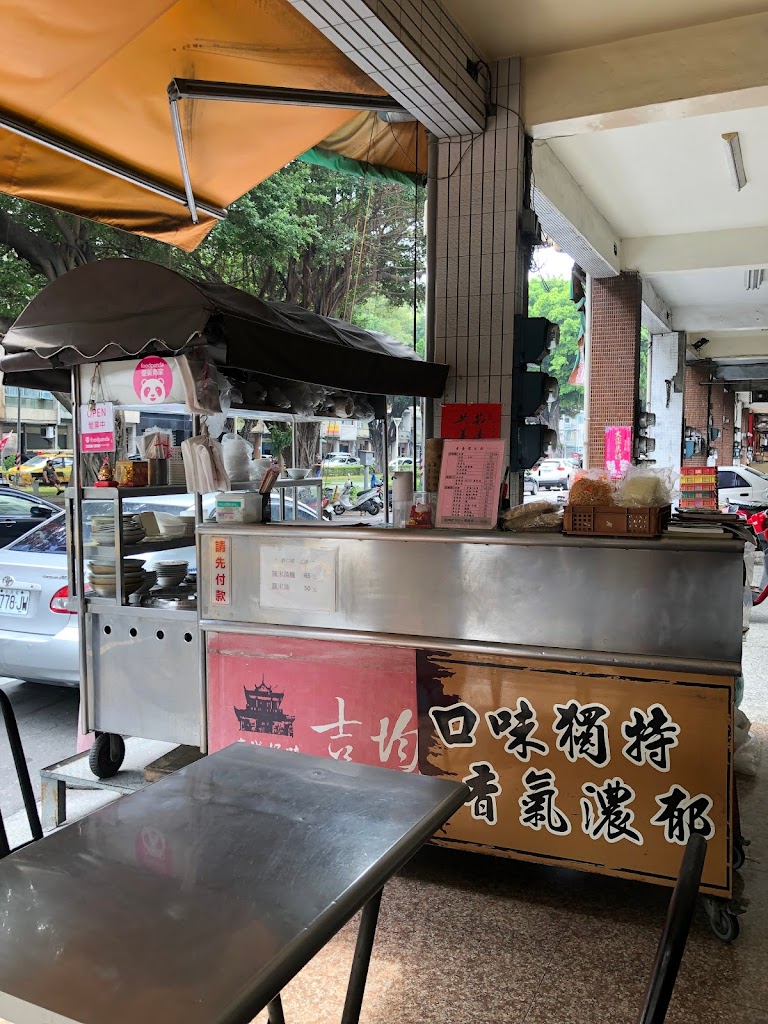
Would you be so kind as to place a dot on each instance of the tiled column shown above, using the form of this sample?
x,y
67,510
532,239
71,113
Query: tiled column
x,y
479,276
614,358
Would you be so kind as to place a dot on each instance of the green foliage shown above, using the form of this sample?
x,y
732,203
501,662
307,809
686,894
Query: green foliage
x,y
552,299
379,314
645,342
280,436
308,235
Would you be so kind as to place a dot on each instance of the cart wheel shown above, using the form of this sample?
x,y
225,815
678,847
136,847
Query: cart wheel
x,y
723,922
739,855
106,755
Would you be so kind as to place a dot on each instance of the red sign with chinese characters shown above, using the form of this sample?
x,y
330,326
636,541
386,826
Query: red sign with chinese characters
x,y
352,702
465,421
221,571
618,450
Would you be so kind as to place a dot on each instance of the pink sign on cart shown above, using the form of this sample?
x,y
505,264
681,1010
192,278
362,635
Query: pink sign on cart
x,y
97,425
618,450
470,484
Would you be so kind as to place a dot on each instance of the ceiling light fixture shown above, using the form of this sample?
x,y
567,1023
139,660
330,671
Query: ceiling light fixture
x,y
753,279
735,159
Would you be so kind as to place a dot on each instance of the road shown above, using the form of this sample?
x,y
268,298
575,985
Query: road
x,y
47,718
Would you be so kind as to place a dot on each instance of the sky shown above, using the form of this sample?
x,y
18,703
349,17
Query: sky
x,y
548,262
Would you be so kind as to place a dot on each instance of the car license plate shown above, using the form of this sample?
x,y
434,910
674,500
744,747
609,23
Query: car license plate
x,y
14,602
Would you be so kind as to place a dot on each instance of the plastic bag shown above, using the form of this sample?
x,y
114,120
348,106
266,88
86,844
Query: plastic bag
x,y
644,487
236,454
592,487
536,515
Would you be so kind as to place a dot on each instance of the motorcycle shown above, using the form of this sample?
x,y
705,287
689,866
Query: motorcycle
x,y
364,502
329,496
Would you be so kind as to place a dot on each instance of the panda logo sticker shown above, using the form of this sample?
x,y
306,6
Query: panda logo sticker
x,y
153,380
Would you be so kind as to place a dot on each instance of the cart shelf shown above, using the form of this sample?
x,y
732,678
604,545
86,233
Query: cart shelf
x,y
144,548
126,492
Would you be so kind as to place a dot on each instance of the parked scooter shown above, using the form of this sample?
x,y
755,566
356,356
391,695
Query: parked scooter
x,y
364,502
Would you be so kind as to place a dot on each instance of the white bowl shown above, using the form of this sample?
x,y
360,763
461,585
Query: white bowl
x,y
296,474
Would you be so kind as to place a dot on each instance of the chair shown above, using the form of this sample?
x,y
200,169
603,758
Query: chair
x,y
22,775
669,952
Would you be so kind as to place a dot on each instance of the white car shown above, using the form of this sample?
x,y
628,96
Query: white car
x,y
554,473
738,483
341,459
405,462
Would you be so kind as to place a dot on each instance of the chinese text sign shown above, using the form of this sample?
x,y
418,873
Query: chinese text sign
x,y
618,450
97,426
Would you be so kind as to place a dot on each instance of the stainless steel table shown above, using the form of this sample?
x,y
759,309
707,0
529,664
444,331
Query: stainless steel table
x,y
199,898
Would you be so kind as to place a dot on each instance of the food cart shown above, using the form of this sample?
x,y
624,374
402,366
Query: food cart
x,y
582,687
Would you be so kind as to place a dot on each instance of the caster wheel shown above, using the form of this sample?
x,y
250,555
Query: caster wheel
x,y
106,755
739,856
723,922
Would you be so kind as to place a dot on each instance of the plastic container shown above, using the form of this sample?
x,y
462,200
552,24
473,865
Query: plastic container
x,y
615,520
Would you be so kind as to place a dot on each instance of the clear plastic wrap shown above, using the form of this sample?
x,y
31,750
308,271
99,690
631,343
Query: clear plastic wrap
x,y
543,516
592,487
645,487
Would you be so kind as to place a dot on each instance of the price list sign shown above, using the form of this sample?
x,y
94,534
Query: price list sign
x,y
470,483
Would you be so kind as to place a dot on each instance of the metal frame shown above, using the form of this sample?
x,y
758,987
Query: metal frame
x,y
58,144
241,92
22,774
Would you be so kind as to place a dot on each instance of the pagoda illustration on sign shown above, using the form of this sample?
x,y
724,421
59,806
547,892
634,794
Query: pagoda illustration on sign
x,y
263,712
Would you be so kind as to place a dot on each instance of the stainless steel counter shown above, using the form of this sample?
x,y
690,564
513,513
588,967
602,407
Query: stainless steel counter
x,y
672,600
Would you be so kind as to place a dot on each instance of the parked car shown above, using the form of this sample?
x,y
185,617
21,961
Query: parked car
x,y
341,459
38,634
735,483
553,473
530,486
20,512
404,462
33,469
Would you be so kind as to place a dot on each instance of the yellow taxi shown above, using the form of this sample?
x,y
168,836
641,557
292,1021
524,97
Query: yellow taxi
x,y
22,476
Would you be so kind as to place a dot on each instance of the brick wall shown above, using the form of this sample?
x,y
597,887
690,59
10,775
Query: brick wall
x,y
614,358
695,412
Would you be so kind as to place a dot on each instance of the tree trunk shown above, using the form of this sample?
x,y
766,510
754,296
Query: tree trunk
x,y
307,444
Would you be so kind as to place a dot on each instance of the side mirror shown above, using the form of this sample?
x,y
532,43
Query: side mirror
x,y
40,512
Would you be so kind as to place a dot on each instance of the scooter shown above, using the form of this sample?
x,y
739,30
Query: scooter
x,y
364,502
330,495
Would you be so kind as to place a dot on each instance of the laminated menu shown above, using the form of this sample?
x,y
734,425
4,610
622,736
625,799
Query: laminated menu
x,y
470,483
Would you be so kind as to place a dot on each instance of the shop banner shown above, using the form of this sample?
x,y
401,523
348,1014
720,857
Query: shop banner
x,y
97,427
351,702
618,450
149,381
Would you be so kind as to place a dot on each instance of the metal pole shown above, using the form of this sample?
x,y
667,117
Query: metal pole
x,y
240,92
90,159
432,161
78,554
19,456
202,666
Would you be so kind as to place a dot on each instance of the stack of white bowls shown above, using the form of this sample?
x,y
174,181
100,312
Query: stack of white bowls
x,y
102,576
103,530
171,572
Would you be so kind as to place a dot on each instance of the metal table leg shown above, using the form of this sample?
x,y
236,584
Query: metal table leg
x,y
362,959
275,1011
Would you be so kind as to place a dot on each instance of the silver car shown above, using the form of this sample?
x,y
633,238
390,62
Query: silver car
x,y
38,634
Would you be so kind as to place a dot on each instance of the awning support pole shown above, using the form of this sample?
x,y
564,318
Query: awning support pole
x,y
237,92
51,141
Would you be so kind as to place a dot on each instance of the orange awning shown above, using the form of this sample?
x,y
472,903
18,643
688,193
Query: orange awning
x,y
95,76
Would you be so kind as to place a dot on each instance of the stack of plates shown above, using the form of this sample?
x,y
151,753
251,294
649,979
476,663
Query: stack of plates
x,y
103,530
170,572
103,579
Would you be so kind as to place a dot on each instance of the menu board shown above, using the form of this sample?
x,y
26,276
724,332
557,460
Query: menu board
x,y
470,484
294,577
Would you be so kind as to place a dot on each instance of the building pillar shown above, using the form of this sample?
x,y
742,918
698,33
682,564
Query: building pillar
x,y
480,280
614,307
666,378
708,408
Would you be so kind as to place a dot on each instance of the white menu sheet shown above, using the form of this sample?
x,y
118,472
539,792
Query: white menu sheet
x,y
470,484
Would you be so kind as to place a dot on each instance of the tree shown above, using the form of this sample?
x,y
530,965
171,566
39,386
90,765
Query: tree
x,y
551,298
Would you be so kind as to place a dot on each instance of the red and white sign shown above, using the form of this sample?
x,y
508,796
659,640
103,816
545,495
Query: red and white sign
x,y
470,484
221,572
153,380
351,702
618,450
97,426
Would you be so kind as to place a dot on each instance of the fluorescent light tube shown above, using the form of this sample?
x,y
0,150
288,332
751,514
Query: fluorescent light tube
x,y
735,159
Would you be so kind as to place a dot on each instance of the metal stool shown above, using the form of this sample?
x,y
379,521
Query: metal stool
x,y
22,776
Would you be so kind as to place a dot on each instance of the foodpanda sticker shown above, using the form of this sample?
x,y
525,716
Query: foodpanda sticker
x,y
152,380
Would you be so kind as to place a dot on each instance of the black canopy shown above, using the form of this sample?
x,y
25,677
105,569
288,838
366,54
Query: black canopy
x,y
122,308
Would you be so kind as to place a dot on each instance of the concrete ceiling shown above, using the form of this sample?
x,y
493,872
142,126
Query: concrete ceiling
x,y
671,177
505,28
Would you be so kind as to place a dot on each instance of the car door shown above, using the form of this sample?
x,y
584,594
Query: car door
x,y
732,486
18,514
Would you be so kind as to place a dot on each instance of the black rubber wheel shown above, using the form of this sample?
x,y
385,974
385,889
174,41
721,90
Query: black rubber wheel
x,y
106,755
739,856
535,488
725,926
338,509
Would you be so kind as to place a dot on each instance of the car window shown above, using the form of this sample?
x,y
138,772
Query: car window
x,y
50,538
727,478
739,481
11,505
